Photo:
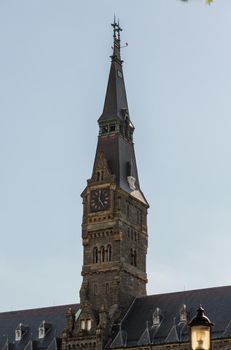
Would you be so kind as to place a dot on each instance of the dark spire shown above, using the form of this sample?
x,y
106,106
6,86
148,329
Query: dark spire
x,y
115,105
115,154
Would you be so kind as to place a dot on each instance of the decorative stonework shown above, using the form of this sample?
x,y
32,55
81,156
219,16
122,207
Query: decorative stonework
x,y
114,264
101,169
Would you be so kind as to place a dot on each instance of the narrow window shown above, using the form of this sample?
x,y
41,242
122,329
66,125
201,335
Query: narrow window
x,y
98,175
102,253
128,210
102,175
131,256
128,232
88,325
109,252
95,255
134,258
82,324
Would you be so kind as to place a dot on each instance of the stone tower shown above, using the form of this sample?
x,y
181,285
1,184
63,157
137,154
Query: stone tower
x,y
114,227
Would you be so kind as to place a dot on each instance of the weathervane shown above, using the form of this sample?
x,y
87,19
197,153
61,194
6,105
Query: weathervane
x,y
116,40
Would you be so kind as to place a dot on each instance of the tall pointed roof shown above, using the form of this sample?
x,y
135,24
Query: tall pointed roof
x,y
116,100
115,141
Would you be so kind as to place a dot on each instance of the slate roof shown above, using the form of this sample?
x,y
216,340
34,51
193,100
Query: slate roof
x,y
55,316
118,152
116,99
138,329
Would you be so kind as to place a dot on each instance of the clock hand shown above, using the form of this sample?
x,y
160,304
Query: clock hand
x,y
99,198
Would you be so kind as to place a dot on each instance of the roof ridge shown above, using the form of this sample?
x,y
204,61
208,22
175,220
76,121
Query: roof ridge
x,y
185,291
39,308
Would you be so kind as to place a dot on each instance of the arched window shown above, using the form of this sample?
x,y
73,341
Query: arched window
x,y
109,252
102,254
95,255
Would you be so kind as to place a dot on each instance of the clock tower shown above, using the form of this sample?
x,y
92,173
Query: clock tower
x,y
114,227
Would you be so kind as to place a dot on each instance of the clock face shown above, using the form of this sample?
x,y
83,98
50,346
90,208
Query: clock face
x,y
100,199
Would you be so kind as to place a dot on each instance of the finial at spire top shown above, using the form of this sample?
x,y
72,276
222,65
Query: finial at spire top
x,y
116,44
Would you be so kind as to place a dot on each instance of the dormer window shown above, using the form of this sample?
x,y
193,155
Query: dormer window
x,y
88,325
20,331
183,314
41,333
156,317
85,325
18,334
44,328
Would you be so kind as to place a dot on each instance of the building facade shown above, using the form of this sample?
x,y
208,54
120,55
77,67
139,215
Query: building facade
x,y
114,310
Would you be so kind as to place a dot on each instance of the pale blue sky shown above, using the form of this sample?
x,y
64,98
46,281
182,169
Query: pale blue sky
x,y
54,66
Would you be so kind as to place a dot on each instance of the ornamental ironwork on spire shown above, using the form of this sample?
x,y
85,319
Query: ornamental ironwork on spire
x,y
115,117
116,45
